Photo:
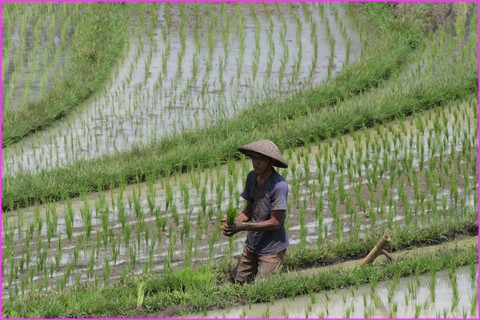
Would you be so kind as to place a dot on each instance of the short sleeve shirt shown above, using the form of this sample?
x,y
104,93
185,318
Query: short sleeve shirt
x,y
271,196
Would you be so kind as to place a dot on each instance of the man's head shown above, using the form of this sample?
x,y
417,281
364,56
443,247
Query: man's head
x,y
264,153
261,164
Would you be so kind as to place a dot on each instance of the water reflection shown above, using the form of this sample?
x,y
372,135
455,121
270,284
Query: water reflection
x,y
408,298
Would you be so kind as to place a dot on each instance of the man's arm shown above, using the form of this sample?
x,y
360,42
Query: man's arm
x,y
276,216
245,215
275,221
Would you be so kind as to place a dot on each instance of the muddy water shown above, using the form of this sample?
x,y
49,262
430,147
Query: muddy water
x,y
408,298
166,85
396,147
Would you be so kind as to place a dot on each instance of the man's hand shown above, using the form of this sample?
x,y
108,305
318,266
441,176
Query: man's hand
x,y
237,226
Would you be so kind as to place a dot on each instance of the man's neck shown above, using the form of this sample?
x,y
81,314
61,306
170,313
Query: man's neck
x,y
263,177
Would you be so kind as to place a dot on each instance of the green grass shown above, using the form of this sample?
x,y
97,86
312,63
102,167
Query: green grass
x,y
306,117
99,40
365,94
193,290
404,237
290,122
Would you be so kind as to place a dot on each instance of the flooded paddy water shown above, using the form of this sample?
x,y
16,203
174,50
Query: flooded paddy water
x,y
36,49
447,295
192,65
179,73
175,221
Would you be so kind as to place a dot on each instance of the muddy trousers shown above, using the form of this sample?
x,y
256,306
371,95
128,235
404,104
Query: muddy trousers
x,y
255,266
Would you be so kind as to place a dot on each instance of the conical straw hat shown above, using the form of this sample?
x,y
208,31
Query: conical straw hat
x,y
266,148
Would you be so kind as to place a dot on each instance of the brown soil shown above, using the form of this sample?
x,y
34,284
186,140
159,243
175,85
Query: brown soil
x,y
433,15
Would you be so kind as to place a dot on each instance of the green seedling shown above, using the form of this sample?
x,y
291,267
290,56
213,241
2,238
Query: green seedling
x,y
231,215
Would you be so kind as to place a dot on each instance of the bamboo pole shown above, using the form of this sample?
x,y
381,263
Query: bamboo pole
x,y
378,250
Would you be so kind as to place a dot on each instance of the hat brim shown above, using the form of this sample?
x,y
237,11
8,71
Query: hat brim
x,y
252,153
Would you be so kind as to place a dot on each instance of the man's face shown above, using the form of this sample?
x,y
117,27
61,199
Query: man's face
x,y
261,164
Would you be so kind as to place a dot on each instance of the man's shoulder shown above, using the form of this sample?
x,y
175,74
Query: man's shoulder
x,y
277,178
278,182
275,181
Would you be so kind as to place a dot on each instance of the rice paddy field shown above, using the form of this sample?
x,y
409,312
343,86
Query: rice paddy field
x,y
120,125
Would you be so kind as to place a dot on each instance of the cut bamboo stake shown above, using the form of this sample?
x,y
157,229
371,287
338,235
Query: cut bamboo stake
x,y
378,250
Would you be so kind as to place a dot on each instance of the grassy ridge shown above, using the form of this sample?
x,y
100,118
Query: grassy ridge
x,y
402,238
395,43
345,103
99,40
312,115
173,289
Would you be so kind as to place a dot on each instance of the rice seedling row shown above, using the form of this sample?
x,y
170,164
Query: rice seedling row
x,y
385,97
405,177
140,106
7,183
63,68
37,45
159,224
444,203
187,288
412,296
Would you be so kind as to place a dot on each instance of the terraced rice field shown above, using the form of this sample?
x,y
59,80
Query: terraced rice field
x,y
36,50
182,73
419,296
397,157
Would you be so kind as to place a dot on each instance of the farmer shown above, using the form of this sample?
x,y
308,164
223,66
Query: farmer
x,y
263,217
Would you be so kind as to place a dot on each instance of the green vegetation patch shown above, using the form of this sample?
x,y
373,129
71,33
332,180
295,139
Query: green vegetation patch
x,y
122,300
270,119
99,40
191,290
